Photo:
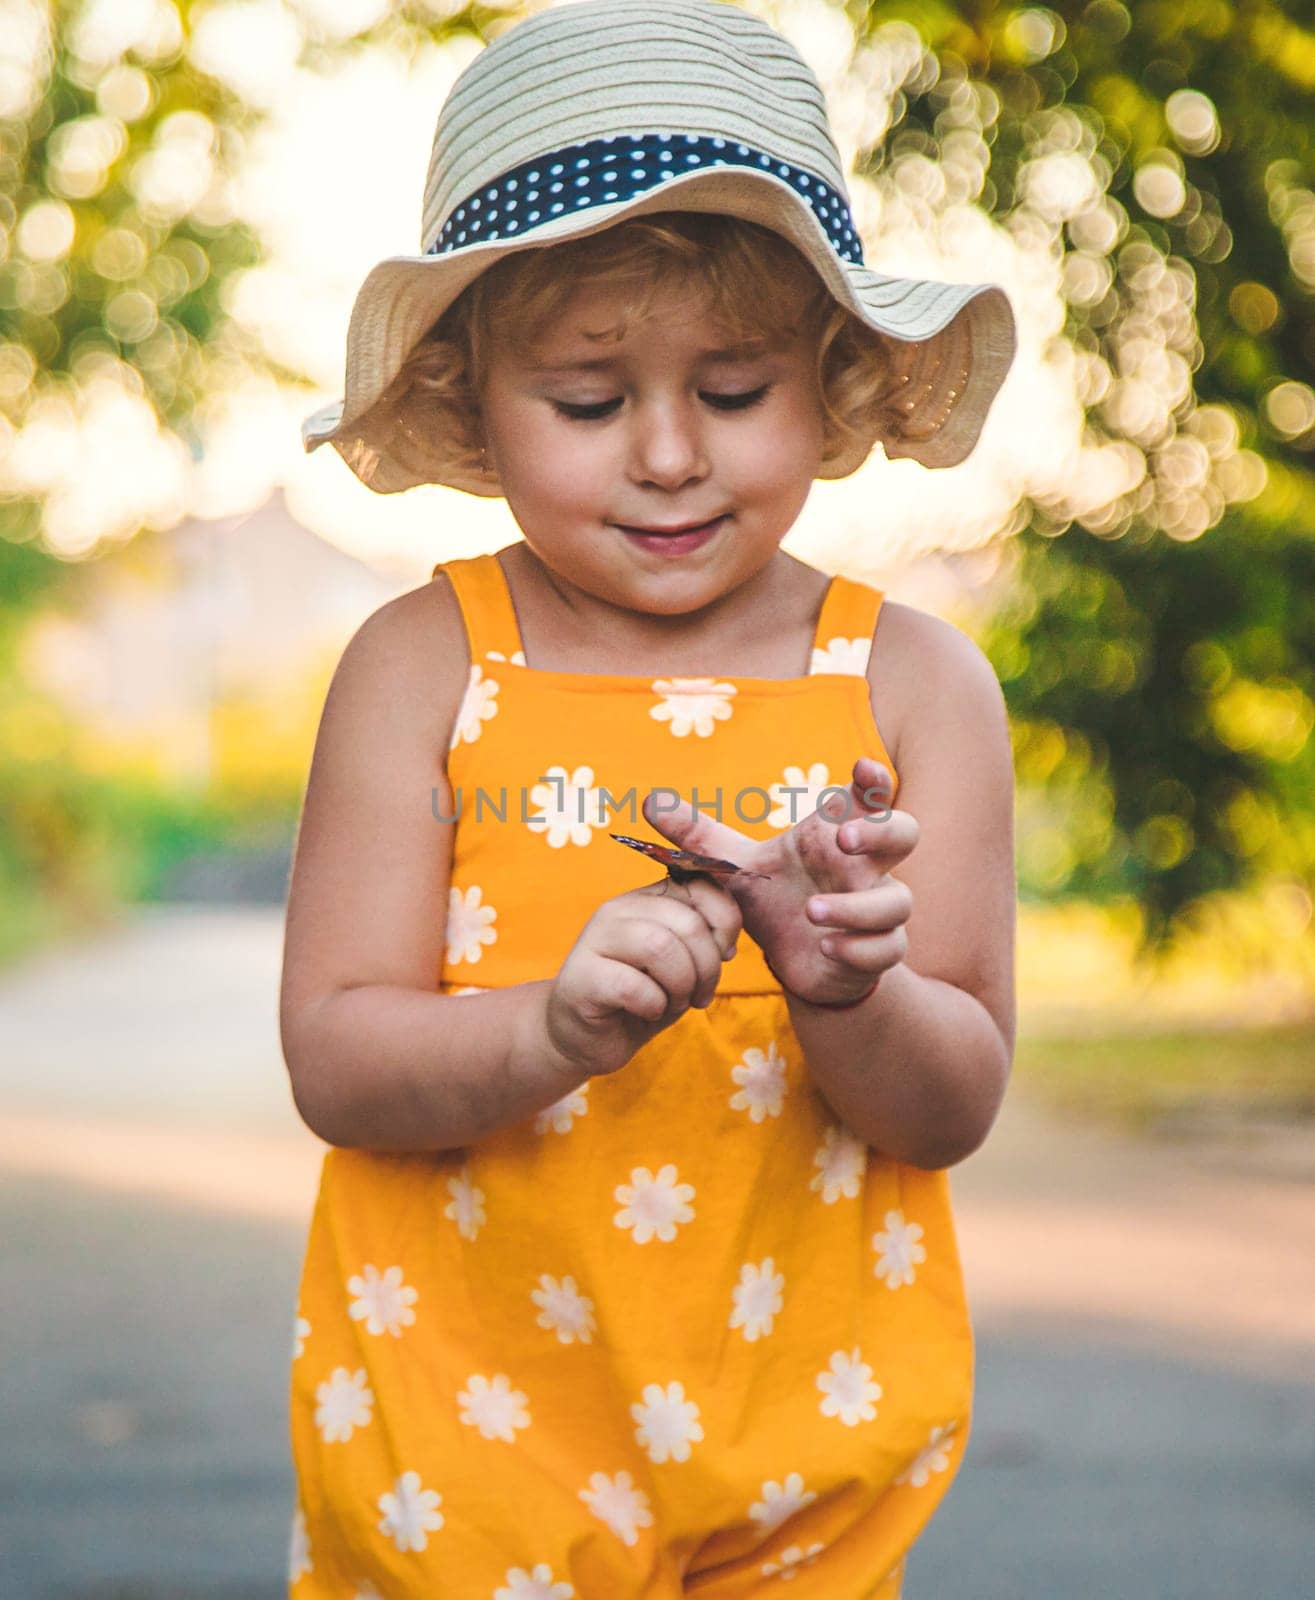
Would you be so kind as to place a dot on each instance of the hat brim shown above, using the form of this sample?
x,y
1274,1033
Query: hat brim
x,y
403,296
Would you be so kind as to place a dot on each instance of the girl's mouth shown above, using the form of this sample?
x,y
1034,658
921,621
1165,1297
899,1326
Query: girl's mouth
x,y
675,544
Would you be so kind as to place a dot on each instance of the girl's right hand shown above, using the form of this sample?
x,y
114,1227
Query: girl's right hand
x,y
640,962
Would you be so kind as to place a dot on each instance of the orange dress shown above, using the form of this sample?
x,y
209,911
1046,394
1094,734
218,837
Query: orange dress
x,y
679,1332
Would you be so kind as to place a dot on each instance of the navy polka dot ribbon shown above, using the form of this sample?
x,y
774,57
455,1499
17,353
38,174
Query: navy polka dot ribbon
x,y
617,167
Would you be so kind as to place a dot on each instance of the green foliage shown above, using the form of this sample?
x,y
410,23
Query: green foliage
x,y
1165,646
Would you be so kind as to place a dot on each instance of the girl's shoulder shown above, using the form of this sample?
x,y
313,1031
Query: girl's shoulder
x,y
917,660
412,652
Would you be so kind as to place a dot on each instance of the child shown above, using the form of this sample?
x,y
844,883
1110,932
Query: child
x,y
633,1271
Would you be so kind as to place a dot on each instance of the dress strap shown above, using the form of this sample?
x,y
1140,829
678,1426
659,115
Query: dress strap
x,y
845,626
486,607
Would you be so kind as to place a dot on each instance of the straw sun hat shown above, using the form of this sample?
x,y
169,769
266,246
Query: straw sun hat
x,y
592,112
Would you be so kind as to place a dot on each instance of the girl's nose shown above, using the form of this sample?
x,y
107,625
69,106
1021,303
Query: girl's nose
x,y
668,450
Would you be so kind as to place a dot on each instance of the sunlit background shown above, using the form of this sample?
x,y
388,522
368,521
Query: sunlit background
x,y
190,196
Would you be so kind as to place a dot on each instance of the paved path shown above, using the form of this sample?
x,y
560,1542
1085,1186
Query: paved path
x,y
1145,1314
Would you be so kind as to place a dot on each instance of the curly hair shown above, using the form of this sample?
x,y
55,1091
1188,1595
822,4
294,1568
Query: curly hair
x,y
755,284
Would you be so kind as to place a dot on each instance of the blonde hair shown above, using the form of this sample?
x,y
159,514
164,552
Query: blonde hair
x,y
755,284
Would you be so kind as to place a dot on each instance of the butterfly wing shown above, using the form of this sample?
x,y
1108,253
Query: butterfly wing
x,y
682,865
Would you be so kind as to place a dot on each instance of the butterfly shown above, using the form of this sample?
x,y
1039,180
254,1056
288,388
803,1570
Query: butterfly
x,y
682,865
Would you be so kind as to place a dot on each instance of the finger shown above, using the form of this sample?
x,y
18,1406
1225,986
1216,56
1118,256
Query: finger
x,y
867,952
622,987
680,824
708,920
873,787
706,944
720,910
653,946
875,910
891,837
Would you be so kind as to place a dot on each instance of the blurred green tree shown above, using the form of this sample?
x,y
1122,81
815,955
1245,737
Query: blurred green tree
x,y
1159,657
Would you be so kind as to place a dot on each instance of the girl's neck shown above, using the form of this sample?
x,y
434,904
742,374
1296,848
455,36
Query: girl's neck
x,y
762,629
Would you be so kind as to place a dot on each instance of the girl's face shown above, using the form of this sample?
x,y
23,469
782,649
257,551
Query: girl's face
x,y
665,428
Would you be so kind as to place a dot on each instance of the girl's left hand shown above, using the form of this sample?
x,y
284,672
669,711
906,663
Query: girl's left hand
x,y
831,919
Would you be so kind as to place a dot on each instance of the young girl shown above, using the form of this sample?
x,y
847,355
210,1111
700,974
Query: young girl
x,y
633,1271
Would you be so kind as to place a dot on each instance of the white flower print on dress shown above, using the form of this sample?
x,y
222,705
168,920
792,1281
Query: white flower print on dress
x,y
536,1585
495,1408
517,657
344,1405
366,1591
383,1303
618,1503
299,1560
561,1114
468,929
843,1160
789,807
757,1298
667,1422
933,1457
849,1390
478,704
570,807
300,1333
652,1205
410,1513
761,1074
471,988
692,704
898,1250
466,1207
563,1308
780,1501
847,656
792,1558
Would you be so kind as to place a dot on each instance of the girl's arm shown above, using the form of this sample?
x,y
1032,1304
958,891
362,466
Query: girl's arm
x,y
919,1069
376,1058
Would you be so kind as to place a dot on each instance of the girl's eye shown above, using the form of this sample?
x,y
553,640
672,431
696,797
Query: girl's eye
x,y
605,408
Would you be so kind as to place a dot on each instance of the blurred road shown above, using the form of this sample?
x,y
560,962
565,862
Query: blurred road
x,y
1145,1313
